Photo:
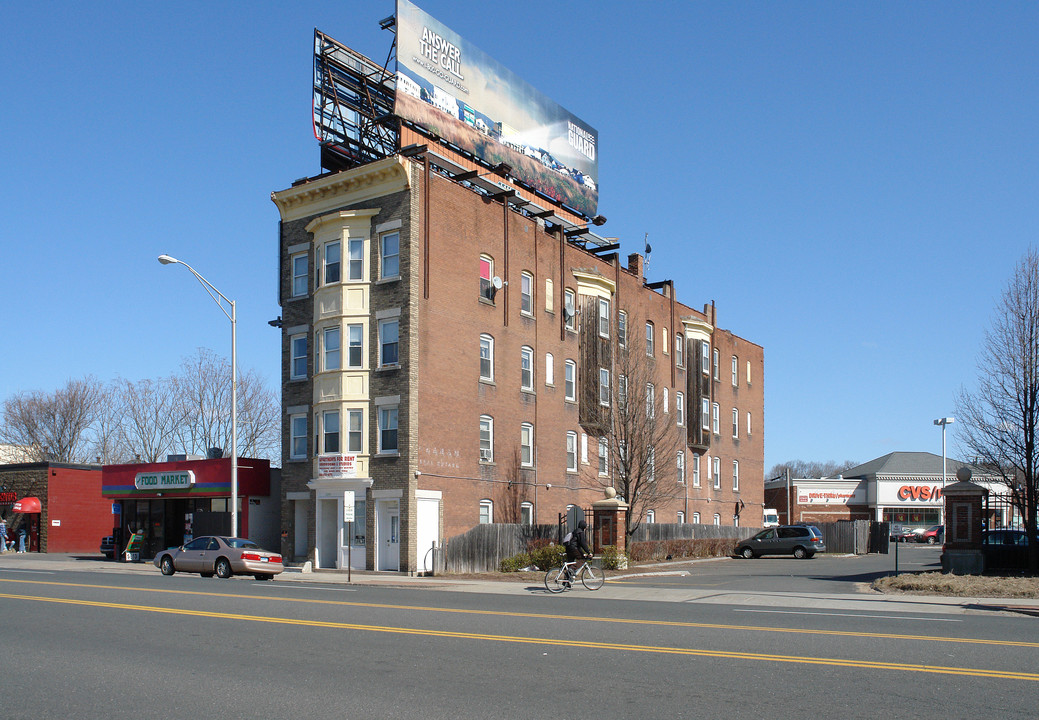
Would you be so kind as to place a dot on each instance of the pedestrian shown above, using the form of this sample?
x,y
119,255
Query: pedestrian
x,y
3,535
21,539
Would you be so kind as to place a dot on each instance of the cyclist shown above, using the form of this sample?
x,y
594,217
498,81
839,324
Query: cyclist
x,y
576,549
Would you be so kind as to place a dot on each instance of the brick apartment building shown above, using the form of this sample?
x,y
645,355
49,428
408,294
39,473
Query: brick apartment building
x,y
450,357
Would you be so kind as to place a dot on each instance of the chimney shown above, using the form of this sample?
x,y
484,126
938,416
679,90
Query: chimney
x,y
635,265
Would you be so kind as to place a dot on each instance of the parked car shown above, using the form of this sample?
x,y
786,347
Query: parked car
x,y
933,535
1005,548
220,556
895,533
108,546
910,534
801,541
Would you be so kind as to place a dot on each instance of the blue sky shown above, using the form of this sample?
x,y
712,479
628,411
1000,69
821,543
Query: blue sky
x,y
851,183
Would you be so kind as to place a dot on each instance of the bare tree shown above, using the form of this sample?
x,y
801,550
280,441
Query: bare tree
x,y
52,426
643,441
106,432
1000,418
151,415
811,468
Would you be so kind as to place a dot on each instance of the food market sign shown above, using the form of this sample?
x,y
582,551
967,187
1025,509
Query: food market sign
x,y
170,480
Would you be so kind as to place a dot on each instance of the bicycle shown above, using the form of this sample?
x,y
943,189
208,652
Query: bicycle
x,y
562,578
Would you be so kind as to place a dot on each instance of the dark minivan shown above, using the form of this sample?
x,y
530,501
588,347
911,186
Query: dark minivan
x,y
801,541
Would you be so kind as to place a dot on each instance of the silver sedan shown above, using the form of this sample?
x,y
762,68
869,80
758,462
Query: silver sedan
x,y
220,556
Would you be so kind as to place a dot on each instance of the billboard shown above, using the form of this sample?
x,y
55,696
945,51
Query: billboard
x,y
453,89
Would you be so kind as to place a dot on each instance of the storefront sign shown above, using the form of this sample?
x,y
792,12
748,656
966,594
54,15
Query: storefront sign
x,y
820,495
919,492
337,466
8,498
171,480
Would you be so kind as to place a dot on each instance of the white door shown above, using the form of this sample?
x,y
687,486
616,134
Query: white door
x,y
427,532
388,518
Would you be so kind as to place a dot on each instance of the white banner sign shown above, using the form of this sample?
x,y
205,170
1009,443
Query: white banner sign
x,y
337,466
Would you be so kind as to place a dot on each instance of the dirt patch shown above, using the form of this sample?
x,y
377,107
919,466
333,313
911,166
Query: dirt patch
x,y
936,583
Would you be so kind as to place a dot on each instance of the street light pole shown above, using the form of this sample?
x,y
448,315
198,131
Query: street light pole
x,y
233,317
944,422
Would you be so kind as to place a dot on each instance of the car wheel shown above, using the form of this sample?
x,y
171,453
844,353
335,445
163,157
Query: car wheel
x,y
799,553
931,540
263,576
167,566
223,568
747,553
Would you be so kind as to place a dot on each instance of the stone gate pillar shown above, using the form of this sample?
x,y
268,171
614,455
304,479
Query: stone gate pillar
x,y
961,554
610,521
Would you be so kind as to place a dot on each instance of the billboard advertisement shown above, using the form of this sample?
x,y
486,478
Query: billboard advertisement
x,y
453,89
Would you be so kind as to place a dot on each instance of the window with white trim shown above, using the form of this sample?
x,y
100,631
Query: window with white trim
x,y
735,371
298,437
651,463
486,512
651,517
651,401
571,451
526,293
622,390
680,466
330,263
716,374
486,439
680,408
330,431
355,347
527,369
649,339
735,474
748,422
705,358
527,513
604,387
716,418
570,310
696,469
717,519
604,456
389,255
388,429
748,372
735,423
389,338
356,261
300,271
604,317
622,328
354,430
716,466
486,277
705,414
527,445
486,357
696,518
298,363
665,399
570,380
550,369
679,350
681,517
331,349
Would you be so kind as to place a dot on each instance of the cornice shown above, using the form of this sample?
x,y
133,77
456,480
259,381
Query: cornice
x,y
362,183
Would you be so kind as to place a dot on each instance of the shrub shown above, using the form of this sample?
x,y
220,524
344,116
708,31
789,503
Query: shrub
x,y
661,550
547,556
515,563
611,559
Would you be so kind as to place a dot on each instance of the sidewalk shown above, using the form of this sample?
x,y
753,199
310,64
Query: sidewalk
x,y
616,588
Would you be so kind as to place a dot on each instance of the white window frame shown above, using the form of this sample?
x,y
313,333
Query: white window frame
x,y
680,408
716,472
550,370
383,344
486,439
649,338
622,390
735,423
388,418
486,283
570,380
384,256
705,358
705,413
622,328
651,401
355,261
717,361
735,371
604,317
327,434
717,519
527,445
716,418
327,265
571,451
680,466
527,514
735,474
332,359
696,469
680,516
300,275
486,511
651,517
354,430
570,321
651,463
748,372
665,399
526,294
487,357
748,423
527,368
679,350
604,387
295,357
296,436
696,518
604,456
355,345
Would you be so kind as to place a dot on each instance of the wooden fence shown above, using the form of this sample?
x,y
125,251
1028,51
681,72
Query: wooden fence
x,y
650,532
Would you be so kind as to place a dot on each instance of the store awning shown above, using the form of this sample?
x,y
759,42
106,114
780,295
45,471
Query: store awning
x,y
27,505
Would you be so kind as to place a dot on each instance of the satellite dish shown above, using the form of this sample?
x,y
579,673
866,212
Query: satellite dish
x,y
568,307
496,282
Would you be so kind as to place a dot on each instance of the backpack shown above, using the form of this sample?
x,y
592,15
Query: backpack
x,y
568,539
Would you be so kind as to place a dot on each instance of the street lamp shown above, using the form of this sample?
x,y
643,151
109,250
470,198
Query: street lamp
x,y
945,421
233,317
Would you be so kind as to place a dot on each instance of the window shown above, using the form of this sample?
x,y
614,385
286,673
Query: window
x,y
705,358
486,439
735,474
735,371
571,451
622,390
549,297
486,357
486,277
527,445
604,317
716,466
680,466
570,310
527,293
298,363
388,429
649,339
717,519
570,380
681,517
715,418
527,514
748,372
604,454
331,348
486,512
331,263
356,268
389,255
550,369
716,376
651,401
298,441
665,400
663,340
389,331
748,422
358,526
355,349
705,414
527,369
330,425
604,387
299,275
735,423
696,518
354,430
651,464
651,517
696,471
680,408
622,328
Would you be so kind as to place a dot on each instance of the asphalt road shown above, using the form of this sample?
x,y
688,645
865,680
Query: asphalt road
x,y
139,645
